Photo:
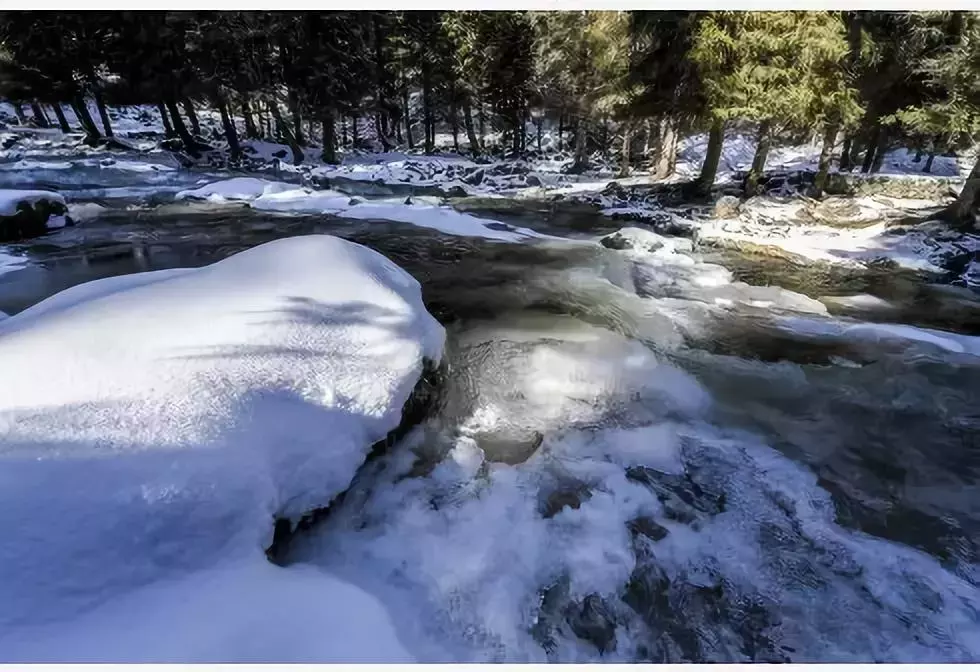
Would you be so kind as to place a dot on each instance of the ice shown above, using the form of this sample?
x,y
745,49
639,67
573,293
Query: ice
x,y
875,331
11,262
245,611
10,198
235,189
156,424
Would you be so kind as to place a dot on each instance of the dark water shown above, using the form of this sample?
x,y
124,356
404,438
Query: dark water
x,y
811,499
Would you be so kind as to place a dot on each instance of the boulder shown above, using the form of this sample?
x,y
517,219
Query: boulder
x,y
726,207
27,214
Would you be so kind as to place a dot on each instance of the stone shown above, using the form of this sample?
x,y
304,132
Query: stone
x,y
726,207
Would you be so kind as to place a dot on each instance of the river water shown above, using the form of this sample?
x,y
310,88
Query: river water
x,y
633,456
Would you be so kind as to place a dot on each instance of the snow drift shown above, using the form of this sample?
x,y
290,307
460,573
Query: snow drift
x,y
157,423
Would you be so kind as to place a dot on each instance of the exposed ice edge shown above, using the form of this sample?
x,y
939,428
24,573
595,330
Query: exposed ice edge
x,y
282,197
153,425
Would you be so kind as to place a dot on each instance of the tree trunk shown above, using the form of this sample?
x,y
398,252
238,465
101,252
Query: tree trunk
x,y
355,136
168,129
103,113
39,117
62,119
964,208
561,129
261,121
309,129
928,167
231,133
581,160
250,130
826,152
845,154
343,131
869,155
329,153
650,138
381,112
709,169
427,108
19,111
287,132
539,130
759,160
667,153
179,126
408,119
296,117
92,134
918,155
188,106
624,162
881,149
483,123
454,123
470,131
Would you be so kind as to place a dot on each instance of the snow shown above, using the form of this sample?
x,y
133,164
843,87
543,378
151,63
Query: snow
x,y
10,198
154,425
246,611
235,189
864,236
284,198
441,219
302,200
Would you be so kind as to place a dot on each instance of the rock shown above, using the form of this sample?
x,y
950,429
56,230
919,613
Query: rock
x,y
634,239
455,191
647,527
28,214
726,207
476,177
533,180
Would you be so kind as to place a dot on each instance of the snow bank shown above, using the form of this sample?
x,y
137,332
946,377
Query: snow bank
x,y
442,219
279,197
156,424
248,611
861,235
235,189
11,198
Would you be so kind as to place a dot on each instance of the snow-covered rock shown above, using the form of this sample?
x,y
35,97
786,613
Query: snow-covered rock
x,y
156,424
250,611
235,189
29,213
641,240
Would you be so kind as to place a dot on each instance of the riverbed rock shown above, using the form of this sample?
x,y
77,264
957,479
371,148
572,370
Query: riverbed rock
x,y
27,214
632,238
726,207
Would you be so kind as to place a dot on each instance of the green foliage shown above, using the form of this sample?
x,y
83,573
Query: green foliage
x,y
915,74
785,67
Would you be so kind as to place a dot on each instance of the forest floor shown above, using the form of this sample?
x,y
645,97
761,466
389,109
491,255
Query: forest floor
x,y
865,219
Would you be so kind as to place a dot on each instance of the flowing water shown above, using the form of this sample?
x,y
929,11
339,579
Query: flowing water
x,y
639,456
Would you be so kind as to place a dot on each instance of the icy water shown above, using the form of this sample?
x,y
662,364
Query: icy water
x,y
638,457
